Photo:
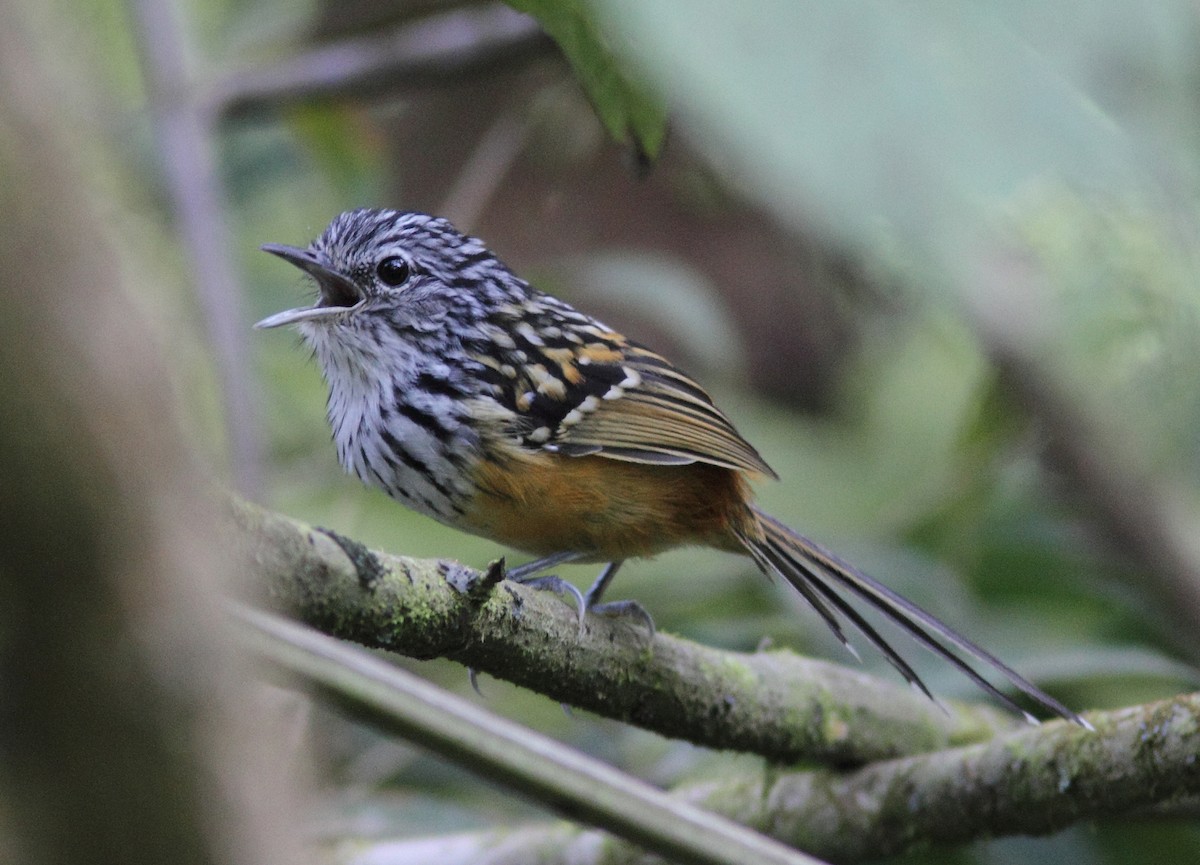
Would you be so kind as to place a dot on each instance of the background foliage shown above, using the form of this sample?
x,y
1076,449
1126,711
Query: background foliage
x,y
896,241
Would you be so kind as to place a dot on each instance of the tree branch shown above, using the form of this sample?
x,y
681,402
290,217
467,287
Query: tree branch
x,y
528,763
1030,782
433,50
776,704
1034,781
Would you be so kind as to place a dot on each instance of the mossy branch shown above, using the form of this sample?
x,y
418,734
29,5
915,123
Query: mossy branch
x,y
933,777
1029,782
776,704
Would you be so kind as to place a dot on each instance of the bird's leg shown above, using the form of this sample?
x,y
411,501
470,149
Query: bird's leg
x,y
527,575
615,608
522,573
601,585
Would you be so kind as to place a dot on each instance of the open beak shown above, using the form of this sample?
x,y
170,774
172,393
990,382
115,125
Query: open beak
x,y
338,292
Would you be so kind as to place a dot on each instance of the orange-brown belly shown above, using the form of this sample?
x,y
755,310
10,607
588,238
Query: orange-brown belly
x,y
608,509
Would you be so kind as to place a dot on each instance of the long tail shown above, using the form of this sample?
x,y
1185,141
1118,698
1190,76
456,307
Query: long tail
x,y
814,572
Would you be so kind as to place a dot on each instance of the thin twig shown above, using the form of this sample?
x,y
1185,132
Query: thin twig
x,y
186,146
433,50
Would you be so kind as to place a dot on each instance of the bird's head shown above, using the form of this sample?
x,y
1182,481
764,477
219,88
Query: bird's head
x,y
400,264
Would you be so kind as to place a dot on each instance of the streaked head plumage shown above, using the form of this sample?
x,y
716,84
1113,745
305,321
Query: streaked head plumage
x,y
369,259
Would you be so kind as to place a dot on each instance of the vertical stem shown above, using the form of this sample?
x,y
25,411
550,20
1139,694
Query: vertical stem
x,y
186,144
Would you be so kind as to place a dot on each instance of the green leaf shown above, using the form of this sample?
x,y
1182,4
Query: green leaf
x,y
627,109
881,120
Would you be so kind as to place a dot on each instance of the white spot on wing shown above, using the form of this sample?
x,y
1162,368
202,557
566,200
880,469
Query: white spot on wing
x,y
526,330
501,338
553,388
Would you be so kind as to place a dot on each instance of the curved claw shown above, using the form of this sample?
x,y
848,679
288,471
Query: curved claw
x,y
561,588
585,603
626,608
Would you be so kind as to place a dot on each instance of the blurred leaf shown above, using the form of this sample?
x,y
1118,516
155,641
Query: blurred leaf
x,y
1121,314
902,123
623,104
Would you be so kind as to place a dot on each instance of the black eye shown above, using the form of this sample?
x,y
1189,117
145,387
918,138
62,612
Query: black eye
x,y
393,271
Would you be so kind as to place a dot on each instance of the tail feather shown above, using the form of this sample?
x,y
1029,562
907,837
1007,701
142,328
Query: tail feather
x,y
770,560
789,565
811,569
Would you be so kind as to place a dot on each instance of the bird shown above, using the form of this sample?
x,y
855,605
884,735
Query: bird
x,y
470,396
